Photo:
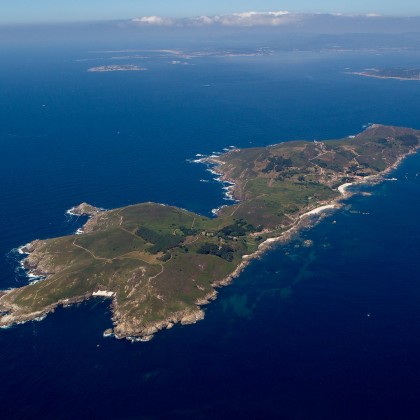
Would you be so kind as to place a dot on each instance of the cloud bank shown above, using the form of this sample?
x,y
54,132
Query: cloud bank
x,y
285,22
245,19
235,19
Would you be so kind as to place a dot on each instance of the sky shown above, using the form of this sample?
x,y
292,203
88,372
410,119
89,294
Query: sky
x,y
40,11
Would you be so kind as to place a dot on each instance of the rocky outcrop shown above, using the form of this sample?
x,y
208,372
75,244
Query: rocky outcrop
x,y
84,209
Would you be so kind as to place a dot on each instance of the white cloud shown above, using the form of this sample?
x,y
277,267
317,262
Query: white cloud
x,y
154,21
252,19
235,19
350,16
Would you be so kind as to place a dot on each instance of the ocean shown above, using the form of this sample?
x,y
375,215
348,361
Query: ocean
x,y
325,331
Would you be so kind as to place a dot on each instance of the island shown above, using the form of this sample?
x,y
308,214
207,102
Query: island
x,y
114,67
391,73
158,265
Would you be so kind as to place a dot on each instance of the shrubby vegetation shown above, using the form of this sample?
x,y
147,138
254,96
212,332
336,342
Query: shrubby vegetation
x,y
408,140
222,251
188,231
383,142
239,228
162,242
277,163
165,257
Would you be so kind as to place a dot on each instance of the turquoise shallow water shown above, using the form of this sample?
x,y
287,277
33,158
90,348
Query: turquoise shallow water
x,y
326,331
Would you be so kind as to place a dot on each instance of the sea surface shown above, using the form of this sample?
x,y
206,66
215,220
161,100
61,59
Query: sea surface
x,y
325,331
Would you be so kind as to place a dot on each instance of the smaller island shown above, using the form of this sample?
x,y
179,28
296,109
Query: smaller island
x,y
391,73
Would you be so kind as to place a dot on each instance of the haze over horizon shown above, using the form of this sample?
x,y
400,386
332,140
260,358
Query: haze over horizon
x,y
50,11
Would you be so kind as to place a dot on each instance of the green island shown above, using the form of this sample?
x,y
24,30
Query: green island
x,y
159,265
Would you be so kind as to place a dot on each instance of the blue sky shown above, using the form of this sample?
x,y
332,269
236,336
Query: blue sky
x,y
24,11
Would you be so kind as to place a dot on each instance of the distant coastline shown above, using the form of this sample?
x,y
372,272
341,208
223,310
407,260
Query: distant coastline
x,y
412,74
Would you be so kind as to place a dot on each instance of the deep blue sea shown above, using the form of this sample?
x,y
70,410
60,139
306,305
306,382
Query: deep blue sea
x,y
330,331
